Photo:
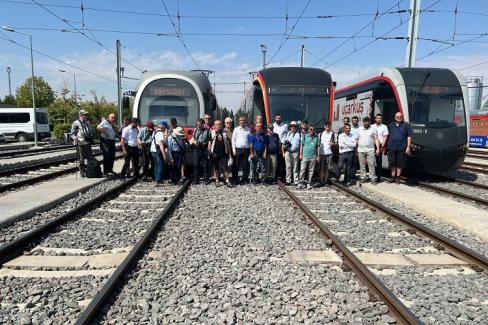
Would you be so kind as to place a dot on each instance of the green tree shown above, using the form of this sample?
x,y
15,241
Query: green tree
x,y
44,93
98,107
63,109
10,100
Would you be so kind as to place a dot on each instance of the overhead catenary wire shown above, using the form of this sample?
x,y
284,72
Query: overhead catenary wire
x,y
451,46
180,37
96,41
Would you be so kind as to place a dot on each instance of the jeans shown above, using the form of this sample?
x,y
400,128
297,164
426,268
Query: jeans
x,y
258,166
132,154
345,159
367,158
291,162
108,150
271,164
200,161
158,166
307,164
175,170
242,161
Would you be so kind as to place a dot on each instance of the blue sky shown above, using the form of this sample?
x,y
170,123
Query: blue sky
x,y
247,25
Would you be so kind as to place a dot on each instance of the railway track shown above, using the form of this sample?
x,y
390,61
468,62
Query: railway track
x,y
475,167
114,226
349,221
454,193
33,151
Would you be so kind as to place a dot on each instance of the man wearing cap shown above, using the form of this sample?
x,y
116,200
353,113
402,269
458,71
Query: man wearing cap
x,y
176,154
291,148
107,143
144,139
128,142
158,151
273,150
367,141
82,135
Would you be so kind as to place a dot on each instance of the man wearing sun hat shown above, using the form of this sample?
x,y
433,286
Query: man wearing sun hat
x,y
291,148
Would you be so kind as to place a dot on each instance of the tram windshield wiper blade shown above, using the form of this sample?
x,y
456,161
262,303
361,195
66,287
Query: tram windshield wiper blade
x,y
420,88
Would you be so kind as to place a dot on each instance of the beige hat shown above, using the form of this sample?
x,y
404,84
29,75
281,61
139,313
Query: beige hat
x,y
293,123
83,112
179,131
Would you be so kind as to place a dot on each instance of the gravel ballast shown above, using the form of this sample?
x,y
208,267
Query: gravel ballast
x,y
224,257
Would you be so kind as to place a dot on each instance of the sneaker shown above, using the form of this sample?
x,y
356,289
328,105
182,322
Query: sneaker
x,y
217,184
309,186
391,180
229,184
288,183
348,184
374,182
300,187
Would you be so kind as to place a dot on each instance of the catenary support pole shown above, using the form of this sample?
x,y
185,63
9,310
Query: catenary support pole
x,y
302,58
413,30
33,93
119,84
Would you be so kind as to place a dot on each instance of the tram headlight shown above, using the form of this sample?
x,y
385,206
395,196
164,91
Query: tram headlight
x,y
416,146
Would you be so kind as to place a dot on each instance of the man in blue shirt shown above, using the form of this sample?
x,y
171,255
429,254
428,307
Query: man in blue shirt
x,y
399,142
273,150
258,147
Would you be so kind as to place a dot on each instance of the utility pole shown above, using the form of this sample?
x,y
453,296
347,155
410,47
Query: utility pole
x,y
74,85
302,59
264,49
119,83
413,31
9,84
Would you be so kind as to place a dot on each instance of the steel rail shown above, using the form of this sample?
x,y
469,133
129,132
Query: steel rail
x,y
129,262
43,164
477,155
29,152
462,252
462,181
36,179
446,191
475,168
14,248
401,312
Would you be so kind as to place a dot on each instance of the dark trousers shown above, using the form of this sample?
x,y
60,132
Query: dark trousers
x,y
108,150
281,167
258,166
147,162
379,167
84,152
345,160
200,163
175,171
132,154
355,164
242,161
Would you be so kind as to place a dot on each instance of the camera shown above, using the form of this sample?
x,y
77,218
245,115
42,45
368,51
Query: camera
x,y
287,145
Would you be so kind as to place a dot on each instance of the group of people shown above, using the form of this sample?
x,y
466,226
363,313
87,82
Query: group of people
x,y
256,154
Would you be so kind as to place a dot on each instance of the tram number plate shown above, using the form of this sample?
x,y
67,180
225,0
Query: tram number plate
x,y
420,131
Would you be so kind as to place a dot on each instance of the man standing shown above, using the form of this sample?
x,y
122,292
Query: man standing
x,y
367,141
220,149
304,128
257,148
308,155
382,132
240,148
355,133
144,139
128,142
228,130
399,143
281,129
201,137
208,122
291,149
158,151
107,143
176,153
272,153
82,135
326,140
345,120
347,145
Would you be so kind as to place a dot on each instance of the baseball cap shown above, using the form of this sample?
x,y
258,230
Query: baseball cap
x,y
293,123
83,112
163,123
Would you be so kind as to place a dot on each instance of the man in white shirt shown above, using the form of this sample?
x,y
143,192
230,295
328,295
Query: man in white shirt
x,y
281,129
347,145
291,150
326,141
367,141
240,149
382,132
107,143
130,148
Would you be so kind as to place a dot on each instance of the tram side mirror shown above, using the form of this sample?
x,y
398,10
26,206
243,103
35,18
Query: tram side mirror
x,y
334,84
125,102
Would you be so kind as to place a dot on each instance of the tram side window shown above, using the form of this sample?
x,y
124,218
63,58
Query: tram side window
x,y
258,105
385,103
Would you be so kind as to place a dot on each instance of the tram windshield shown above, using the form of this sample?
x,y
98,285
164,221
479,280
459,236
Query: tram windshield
x,y
300,103
163,99
436,106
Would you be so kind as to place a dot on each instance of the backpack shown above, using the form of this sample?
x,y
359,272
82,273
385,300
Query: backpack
x,y
92,168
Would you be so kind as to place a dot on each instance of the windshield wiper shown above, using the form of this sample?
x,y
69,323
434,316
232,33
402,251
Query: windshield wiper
x,y
420,88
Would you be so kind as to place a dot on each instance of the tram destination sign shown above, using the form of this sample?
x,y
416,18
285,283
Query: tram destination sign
x,y
298,90
170,91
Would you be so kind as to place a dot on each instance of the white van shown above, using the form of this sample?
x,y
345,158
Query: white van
x,y
18,123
